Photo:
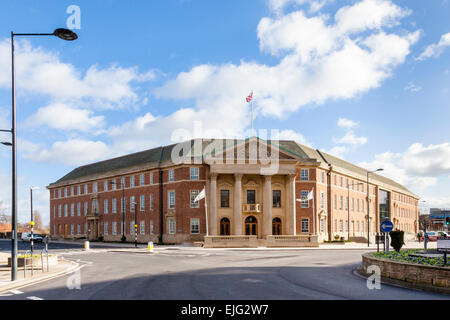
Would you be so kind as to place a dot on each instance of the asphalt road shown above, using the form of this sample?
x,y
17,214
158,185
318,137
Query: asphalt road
x,y
199,274
22,246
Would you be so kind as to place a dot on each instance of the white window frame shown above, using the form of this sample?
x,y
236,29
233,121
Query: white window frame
x,y
141,179
142,227
132,203
172,226
114,205
105,228
195,226
114,228
171,175
171,205
304,174
304,221
142,203
305,202
194,173
105,206
132,227
192,195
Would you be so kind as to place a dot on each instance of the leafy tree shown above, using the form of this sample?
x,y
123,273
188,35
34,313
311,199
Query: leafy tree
x,y
397,239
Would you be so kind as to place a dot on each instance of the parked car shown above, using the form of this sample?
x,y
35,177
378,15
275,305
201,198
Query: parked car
x,y
442,234
26,236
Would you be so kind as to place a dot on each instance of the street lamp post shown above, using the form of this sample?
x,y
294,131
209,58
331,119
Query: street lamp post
x,y
425,240
368,205
61,33
32,219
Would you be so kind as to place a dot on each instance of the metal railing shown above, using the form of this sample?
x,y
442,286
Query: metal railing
x,y
25,263
42,260
252,207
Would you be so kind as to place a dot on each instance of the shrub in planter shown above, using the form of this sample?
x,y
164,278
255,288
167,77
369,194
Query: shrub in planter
x,y
100,238
337,237
397,239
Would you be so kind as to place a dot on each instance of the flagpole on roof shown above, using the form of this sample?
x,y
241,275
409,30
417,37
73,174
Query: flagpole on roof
x,y
251,103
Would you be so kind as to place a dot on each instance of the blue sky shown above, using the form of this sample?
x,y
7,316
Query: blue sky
x,y
366,80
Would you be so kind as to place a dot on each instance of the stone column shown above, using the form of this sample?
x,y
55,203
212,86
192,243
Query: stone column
x,y
291,214
237,212
213,201
267,218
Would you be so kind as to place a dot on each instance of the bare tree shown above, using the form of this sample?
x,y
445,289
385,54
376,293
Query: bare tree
x,y
38,220
3,217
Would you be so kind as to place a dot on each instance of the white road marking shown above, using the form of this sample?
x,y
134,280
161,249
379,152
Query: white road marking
x,y
6,295
34,298
16,291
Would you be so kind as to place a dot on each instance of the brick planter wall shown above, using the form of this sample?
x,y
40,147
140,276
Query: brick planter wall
x,y
413,273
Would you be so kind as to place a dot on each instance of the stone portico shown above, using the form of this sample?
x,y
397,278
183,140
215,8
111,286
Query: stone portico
x,y
243,205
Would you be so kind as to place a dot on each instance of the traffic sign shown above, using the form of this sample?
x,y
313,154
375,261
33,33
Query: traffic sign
x,y
386,226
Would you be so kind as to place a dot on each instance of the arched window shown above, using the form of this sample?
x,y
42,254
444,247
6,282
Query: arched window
x,y
276,226
251,226
225,227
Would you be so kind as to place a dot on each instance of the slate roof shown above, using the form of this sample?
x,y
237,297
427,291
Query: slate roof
x,y
155,157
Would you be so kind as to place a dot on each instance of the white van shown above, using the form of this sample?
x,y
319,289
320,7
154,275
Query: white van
x,y
26,236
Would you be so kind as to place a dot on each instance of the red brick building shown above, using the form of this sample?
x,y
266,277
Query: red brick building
x,y
256,190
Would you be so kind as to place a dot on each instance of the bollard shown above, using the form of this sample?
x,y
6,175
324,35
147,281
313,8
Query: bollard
x,y
150,247
86,245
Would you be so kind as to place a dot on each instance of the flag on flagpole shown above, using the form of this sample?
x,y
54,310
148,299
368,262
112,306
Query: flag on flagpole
x,y
310,195
200,196
250,97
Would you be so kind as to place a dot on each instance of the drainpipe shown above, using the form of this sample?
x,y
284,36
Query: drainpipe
x,y
161,199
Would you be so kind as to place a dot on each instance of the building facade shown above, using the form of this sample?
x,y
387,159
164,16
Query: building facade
x,y
256,190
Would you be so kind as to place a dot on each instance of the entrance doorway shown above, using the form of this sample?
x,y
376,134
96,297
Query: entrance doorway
x,y
225,227
251,226
276,226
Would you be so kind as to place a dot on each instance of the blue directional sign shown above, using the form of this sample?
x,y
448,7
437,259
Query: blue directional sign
x,y
386,226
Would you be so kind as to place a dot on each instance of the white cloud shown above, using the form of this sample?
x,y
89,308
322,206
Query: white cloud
x,y
64,117
369,14
419,167
278,6
412,87
292,135
435,50
347,123
41,72
318,62
351,139
71,152
428,160
338,151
